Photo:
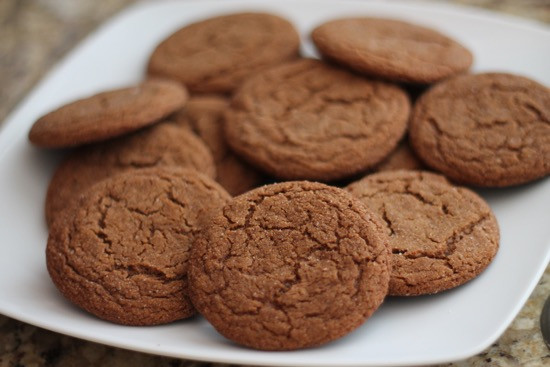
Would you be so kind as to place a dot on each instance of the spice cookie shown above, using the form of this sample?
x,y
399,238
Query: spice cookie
x,y
108,114
441,235
216,54
488,130
122,255
289,265
204,116
308,120
401,158
391,49
159,145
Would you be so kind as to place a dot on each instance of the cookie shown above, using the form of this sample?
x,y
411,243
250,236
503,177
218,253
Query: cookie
x,y
489,130
308,120
216,54
204,116
441,235
108,114
123,255
402,158
159,145
391,49
288,266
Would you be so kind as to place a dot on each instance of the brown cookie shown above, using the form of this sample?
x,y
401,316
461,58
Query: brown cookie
x,y
123,255
441,235
289,265
402,157
391,49
488,129
159,145
308,120
216,54
204,116
108,114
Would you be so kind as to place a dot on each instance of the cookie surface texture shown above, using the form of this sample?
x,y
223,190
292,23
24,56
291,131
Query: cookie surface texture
x,y
391,49
289,266
204,116
108,114
157,146
216,54
402,158
488,130
123,255
308,120
441,235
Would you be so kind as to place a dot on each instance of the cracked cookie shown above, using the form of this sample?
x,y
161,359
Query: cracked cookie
x,y
391,49
204,116
308,120
489,130
108,114
441,235
289,265
123,254
159,145
215,55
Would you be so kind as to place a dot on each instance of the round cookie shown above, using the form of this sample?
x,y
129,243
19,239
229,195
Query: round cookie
x,y
108,114
159,145
123,254
488,130
288,266
204,116
308,120
216,54
401,158
391,49
441,235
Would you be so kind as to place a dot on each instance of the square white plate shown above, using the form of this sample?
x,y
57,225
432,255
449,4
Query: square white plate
x,y
431,329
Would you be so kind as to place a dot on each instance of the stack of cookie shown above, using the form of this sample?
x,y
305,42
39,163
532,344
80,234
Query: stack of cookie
x,y
142,234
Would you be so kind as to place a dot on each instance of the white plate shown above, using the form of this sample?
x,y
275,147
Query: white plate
x,y
432,329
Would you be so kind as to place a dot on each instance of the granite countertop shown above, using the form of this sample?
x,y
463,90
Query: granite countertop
x,y
34,35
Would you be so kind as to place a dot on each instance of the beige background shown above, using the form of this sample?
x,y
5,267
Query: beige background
x,y
34,35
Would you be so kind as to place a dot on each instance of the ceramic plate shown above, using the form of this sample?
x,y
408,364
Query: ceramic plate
x,y
430,329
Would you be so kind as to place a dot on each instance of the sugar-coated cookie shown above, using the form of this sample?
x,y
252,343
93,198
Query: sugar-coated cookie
x,y
391,49
402,157
123,254
216,54
441,236
108,114
156,146
309,120
289,265
204,116
488,129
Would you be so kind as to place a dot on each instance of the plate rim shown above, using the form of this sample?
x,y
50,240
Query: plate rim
x,y
8,129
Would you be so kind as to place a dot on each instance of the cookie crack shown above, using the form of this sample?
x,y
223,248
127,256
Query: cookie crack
x,y
385,218
536,111
150,271
411,193
140,165
97,282
440,151
458,235
101,234
450,245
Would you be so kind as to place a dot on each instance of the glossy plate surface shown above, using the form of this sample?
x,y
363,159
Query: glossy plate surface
x,y
449,326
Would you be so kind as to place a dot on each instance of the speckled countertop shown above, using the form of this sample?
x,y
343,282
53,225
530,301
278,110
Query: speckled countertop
x,y
34,35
